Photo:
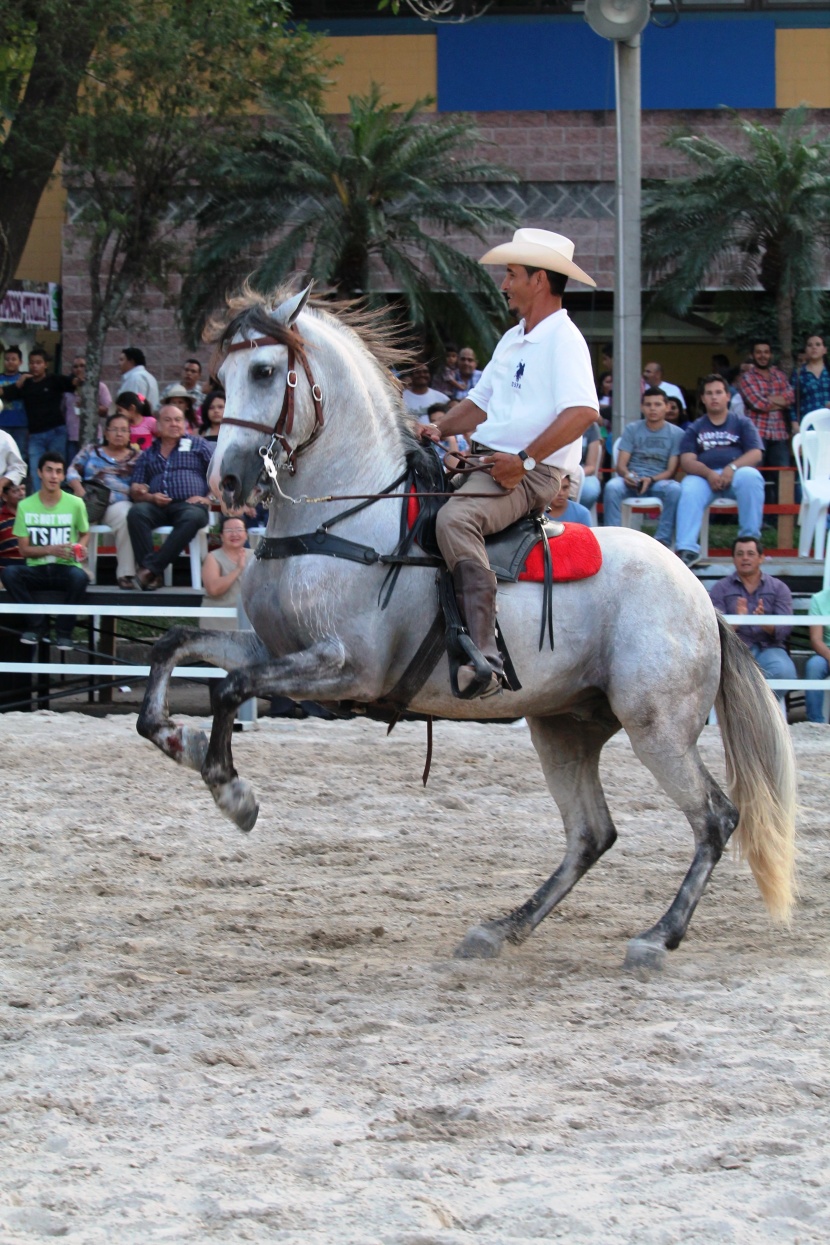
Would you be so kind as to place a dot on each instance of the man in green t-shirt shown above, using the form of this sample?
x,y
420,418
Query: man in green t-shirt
x,y
818,666
52,530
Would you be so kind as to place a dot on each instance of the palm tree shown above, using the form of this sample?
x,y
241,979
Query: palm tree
x,y
760,215
334,200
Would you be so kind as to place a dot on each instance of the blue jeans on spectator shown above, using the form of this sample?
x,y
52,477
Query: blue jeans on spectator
x,y
666,491
747,489
817,668
20,581
41,443
776,663
591,489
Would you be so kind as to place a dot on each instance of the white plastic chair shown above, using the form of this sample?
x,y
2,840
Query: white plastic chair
x,y
811,447
632,509
95,530
727,504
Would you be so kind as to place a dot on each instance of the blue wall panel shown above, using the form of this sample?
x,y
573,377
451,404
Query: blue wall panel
x,y
704,64
494,66
508,66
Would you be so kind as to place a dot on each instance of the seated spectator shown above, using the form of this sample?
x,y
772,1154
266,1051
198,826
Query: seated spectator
x,y
178,396
135,378
191,382
53,534
653,377
10,496
12,466
444,377
719,453
649,454
142,421
818,666
102,475
749,591
210,414
418,397
593,447
222,570
564,510
169,488
468,373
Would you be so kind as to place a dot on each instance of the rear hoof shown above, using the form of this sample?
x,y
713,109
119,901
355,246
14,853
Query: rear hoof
x,y
236,801
480,943
648,956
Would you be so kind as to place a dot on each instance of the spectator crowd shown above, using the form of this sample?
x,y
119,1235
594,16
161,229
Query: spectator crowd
x,y
147,470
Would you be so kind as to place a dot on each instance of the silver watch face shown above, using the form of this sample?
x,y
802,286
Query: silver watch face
x,y
529,463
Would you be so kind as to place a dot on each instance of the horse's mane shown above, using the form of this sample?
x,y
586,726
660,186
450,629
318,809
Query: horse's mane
x,y
249,311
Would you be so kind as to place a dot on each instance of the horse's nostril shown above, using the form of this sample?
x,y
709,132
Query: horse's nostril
x,y
230,484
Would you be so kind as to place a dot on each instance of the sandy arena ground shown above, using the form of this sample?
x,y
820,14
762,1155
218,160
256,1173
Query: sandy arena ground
x,y
212,1037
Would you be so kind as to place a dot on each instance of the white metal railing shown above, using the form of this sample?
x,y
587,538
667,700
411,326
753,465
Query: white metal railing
x,y
98,669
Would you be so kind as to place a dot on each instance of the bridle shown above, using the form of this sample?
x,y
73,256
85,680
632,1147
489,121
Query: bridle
x,y
282,429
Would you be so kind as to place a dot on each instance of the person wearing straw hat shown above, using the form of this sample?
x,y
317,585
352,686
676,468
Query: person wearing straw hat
x,y
534,400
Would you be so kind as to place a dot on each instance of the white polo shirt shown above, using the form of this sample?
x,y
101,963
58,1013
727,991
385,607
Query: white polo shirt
x,y
530,380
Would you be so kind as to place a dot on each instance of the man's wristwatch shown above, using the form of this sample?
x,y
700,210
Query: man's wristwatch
x,y
527,462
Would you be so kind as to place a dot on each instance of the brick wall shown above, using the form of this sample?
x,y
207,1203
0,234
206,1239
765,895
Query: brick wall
x,y
563,151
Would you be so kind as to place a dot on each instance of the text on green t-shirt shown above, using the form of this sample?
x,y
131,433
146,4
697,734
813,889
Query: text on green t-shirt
x,y
60,524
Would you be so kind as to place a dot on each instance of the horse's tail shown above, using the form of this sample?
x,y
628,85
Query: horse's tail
x,y
760,772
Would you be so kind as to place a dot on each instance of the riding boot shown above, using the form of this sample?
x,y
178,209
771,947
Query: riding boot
x,y
475,591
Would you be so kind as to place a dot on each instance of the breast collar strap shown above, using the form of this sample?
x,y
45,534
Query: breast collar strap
x,y
281,431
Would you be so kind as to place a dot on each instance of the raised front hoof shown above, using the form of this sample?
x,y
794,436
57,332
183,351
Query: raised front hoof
x,y
645,957
236,801
480,943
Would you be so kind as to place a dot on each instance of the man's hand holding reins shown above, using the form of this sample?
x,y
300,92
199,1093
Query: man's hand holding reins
x,y
508,470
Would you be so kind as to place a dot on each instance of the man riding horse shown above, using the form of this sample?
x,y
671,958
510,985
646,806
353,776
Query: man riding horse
x,y
535,399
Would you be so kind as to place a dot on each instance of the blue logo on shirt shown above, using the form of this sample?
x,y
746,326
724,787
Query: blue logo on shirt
x,y
517,380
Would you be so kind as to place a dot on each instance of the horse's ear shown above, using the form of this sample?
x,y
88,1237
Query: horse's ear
x,y
288,311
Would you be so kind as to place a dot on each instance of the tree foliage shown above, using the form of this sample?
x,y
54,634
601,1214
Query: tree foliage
x,y
334,200
171,87
45,49
760,214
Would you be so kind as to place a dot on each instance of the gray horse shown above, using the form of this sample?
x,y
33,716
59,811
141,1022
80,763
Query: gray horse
x,y
639,646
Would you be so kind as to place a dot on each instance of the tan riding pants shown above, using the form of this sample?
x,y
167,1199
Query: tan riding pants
x,y
463,522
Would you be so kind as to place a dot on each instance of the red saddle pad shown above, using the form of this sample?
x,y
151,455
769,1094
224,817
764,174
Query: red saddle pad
x,y
576,555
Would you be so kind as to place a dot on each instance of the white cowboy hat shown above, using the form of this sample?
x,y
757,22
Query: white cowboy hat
x,y
539,248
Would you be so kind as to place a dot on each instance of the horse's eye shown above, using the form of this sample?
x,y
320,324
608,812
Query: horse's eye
x,y
263,371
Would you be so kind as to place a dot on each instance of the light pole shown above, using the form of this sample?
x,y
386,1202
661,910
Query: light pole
x,y
622,21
